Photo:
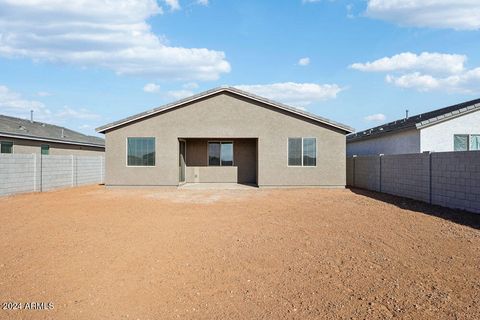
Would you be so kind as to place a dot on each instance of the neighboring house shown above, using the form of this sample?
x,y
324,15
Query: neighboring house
x,y
225,135
20,136
454,128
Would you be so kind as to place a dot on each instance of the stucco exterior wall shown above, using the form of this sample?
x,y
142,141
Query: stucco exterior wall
x,y
23,146
439,137
396,143
225,116
212,174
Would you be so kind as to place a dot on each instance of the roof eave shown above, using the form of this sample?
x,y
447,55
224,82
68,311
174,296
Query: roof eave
x,y
437,120
377,135
36,138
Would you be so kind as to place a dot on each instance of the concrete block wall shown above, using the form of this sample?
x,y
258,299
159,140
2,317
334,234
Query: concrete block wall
x,y
449,179
349,165
367,172
17,173
21,173
406,175
57,172
89,170
456,180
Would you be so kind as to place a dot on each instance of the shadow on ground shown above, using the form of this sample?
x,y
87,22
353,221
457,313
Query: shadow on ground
x,y
458,216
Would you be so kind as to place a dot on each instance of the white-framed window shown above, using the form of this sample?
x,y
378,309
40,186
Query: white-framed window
x,y
220,153
6,147
466,142
302,152
141,152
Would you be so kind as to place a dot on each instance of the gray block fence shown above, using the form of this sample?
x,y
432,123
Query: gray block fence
x,y
35,173
449,179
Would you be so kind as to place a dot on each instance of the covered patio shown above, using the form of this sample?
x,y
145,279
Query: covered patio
x,y
218,160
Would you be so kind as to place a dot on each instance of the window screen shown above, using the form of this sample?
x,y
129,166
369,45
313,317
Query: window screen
x,y
309,152
220,154
475,142
141,152
294,151
6,147
460,142
45,149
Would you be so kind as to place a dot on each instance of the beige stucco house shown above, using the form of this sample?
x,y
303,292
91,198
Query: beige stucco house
x,y
225,135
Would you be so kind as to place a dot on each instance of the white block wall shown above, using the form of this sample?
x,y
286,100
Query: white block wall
x,y
17,173
89,170
32,172
57,172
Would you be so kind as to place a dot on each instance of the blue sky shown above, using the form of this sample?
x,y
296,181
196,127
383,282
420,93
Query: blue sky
x,y
84,64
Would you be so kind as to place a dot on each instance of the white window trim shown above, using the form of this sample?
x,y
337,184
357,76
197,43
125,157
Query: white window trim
x,y
469,139
126,153
221,141
469,136
13,146
316,153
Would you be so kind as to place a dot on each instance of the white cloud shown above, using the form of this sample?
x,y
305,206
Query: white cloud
x,y
190,85
467,82
304,61
310,1
422,82
349,8
295,94
43,94
426,61
203,2
179,94
70,113
113,35
454,14
173,4
375,117
151,88
426,72
14,104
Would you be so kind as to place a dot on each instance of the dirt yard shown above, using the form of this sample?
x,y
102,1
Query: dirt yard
x,y
235,254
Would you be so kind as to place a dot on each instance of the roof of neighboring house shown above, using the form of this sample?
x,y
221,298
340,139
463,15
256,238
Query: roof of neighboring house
x,y
418,121
234,91
34,130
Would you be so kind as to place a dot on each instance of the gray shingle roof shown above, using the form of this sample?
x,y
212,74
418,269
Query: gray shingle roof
x,y
25,129
233,90
418,121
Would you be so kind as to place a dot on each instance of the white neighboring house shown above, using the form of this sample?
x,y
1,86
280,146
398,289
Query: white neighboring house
x,y
454,128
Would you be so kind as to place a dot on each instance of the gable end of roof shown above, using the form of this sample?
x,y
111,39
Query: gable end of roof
x,y
218,90
448,116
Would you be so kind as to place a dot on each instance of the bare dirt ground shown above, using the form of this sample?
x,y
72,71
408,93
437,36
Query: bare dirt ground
x,y
236,254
